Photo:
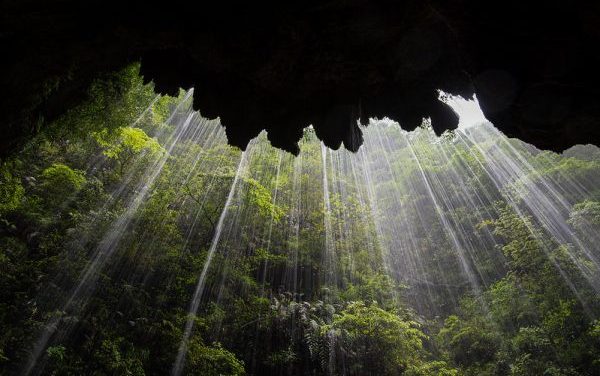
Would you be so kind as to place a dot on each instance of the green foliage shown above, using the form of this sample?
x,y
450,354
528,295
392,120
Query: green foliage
x,y
433,368
585,213
262,255
530,328
377,287
373,341
60,180
56,353
126,142
11,190
296,286
212,361
260,197
469,344
117,357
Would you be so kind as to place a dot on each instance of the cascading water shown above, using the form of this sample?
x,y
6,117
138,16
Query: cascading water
x,y
178,366
406,209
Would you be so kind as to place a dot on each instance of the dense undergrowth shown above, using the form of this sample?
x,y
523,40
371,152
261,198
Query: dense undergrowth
x,y
274,306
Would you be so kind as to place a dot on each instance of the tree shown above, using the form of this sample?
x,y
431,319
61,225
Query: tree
x,y
212,361
61,182
368,340
126,144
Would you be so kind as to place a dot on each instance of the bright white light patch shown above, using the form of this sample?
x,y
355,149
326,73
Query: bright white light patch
x,y
468,110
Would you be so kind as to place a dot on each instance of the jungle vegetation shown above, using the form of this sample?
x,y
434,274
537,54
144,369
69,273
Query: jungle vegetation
x,y
410,257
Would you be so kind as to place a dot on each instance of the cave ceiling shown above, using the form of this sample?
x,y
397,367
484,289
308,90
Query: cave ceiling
x,y
533,65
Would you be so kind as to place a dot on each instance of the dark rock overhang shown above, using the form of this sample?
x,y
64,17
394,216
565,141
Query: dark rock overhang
x,y
533,65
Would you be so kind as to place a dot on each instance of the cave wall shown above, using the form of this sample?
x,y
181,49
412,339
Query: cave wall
x,y
281,67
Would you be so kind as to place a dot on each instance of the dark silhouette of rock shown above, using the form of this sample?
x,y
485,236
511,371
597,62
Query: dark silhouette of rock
x,y
534,65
